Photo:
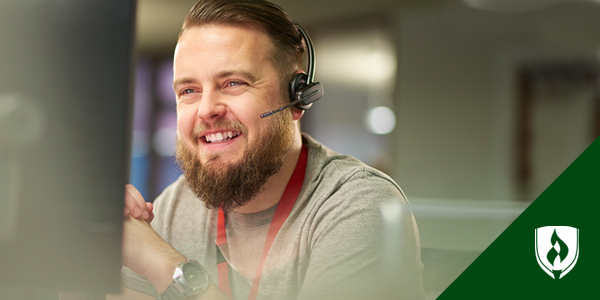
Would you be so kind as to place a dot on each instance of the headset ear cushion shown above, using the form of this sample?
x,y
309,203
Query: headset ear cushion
x,y
297,83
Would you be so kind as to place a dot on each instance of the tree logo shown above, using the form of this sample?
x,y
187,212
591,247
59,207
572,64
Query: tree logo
x,y
557,249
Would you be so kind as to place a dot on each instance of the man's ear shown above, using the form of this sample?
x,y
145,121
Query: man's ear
x,y
297,113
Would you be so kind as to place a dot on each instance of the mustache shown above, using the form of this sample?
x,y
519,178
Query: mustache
x,y
202,128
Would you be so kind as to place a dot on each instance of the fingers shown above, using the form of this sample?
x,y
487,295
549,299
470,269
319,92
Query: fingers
x,y
133,201
150,209
135,205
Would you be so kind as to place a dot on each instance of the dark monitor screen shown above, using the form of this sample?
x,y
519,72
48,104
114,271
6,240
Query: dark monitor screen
x,y
65,102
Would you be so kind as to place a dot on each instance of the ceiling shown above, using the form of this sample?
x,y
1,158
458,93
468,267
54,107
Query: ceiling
x,y
159,21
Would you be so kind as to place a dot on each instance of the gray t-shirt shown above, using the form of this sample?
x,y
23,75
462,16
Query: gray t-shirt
x,y
330,246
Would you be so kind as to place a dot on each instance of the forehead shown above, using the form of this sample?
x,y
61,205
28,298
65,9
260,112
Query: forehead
x,y
221,46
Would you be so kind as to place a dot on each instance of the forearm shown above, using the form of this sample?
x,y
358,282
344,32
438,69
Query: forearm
x,y
147,254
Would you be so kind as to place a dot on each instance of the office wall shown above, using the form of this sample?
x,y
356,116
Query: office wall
x,y
458,101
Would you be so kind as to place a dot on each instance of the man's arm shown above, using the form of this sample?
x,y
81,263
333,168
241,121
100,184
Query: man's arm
x,y
147,254
150,256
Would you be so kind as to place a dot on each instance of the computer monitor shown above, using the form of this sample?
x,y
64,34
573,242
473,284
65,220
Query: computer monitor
x,y
65,102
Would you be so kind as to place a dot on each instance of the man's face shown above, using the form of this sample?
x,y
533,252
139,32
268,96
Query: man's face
x,y
224,80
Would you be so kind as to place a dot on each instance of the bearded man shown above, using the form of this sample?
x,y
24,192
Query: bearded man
x,y
263,211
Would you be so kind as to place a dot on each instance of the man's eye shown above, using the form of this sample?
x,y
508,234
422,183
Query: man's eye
x,y
234,83
187,91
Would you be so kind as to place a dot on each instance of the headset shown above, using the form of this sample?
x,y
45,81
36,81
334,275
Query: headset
x,y
303,90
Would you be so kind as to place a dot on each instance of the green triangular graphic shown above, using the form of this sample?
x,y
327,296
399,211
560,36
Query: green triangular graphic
x,y
508,268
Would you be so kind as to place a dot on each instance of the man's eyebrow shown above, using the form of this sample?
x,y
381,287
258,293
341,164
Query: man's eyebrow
x,y
223,74
183,80
242,73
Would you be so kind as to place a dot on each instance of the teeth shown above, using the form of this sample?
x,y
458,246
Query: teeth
x,y
221,136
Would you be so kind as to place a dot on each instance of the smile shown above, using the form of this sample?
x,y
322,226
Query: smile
x,y
221,136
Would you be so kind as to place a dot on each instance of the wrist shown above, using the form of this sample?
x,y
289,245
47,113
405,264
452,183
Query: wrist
x,y
161,272
189,279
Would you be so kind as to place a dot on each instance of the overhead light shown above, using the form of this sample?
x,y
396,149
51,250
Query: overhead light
x,y
381,120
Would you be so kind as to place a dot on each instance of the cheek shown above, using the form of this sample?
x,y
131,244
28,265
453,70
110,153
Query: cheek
x,y
185,123
185,113
245,110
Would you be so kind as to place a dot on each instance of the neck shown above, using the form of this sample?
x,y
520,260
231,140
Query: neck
x,y
275,186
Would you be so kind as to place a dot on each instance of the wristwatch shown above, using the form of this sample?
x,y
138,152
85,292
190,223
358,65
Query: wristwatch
x,y
190,278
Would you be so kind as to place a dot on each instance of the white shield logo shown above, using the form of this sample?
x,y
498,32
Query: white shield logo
x,y
557,249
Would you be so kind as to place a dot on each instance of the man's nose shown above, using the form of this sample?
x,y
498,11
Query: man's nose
x,y
211,106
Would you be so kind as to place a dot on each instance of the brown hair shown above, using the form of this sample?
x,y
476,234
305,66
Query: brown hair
x,y
264,15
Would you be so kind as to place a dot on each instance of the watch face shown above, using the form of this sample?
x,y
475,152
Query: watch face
x,y
194,274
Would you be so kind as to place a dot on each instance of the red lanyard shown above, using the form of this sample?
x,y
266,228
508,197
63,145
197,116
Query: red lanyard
x,y
290,194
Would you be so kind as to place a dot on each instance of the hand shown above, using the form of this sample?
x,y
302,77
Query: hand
x,y
144,251
136,206
147,254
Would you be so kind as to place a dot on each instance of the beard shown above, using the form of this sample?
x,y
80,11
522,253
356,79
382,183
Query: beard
x,y
232,185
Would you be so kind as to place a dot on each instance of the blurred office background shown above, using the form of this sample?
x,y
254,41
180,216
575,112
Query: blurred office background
x,y
474,107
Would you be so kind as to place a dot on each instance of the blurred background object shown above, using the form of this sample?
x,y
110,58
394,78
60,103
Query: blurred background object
x,y
474,107
65,101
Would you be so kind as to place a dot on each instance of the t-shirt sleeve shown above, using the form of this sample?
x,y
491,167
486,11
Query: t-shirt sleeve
x,y
348,250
